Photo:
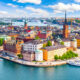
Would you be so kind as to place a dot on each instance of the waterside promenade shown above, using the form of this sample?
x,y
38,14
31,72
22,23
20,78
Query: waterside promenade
x,y
35,64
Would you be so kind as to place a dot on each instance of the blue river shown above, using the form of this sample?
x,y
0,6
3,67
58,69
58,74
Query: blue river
x,y
14,71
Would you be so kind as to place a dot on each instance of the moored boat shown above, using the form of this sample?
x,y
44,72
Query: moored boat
x,y
74,62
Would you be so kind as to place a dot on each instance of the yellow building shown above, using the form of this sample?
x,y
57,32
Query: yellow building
x,y
50,52
78,41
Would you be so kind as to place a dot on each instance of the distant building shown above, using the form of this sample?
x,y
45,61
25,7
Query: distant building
x,y
44,34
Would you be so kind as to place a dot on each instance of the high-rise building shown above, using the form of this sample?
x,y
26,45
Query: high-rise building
x,y
65,28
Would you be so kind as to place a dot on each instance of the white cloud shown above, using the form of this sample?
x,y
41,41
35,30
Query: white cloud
x,y
12,5
38,11
60,7
77,0
29,1
3,12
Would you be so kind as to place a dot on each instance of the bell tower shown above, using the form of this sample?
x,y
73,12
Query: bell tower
x,y
25,25
65,28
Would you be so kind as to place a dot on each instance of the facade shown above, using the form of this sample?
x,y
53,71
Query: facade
x,y
50,52
13,47
5,37
67,42
32,45
78,41
28,55
39,55
44,34
74,43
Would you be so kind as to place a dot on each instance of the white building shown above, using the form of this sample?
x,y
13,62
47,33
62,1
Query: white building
x,y
74,43
38,55
32,45
67,42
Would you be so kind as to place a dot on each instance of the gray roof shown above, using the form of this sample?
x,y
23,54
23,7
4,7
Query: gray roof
x,y
54,47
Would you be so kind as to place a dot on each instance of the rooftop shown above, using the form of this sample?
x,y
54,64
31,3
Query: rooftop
x,y
54,47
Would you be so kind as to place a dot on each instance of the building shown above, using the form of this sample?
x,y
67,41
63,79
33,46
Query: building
x,y
13,47
5,37
67,42
50,52
38,55
65,28
25,25
28,55
44,34
32,45
78,41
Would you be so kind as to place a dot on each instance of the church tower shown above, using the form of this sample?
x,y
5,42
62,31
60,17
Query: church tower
x,y
25,25
65,28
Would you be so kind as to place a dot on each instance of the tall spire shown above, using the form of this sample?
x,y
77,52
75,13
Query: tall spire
x,y
25,22
65,19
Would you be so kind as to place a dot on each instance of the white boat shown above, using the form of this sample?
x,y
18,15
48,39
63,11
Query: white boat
x,y
74,62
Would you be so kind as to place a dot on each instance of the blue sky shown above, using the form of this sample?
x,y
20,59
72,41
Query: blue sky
x,y
39,8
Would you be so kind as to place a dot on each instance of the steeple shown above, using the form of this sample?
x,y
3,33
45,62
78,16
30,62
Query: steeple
x,y
65,28
65,19
25,22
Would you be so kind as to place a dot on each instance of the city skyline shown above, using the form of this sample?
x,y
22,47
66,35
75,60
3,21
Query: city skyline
x,y
39,8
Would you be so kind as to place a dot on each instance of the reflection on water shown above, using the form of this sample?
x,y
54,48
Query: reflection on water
x,y
14,71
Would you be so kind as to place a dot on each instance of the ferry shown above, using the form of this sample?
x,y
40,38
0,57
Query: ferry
x,y
74,62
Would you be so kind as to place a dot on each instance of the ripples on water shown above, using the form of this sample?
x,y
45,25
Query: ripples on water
x,y
13,71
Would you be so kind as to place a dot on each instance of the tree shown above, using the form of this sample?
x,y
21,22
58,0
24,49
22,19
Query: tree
x,y
44,45
37,37
49,43
62,43
20,56
56,57
1,41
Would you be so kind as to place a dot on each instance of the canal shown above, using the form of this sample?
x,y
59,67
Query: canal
x,y
14,71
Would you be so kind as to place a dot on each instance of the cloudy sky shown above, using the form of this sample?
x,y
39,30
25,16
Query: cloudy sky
x,y
39,8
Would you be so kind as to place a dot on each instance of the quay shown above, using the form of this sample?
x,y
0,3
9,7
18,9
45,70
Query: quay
x,y
35,64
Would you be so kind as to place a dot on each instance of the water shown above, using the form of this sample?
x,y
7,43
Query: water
x,y
13,71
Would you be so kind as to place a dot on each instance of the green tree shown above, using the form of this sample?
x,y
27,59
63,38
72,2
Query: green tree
x,y
20,56
62,43
56,57
37,37
49,43
1,41
44,45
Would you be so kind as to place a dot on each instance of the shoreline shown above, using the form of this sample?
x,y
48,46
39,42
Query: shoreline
x,y
36,64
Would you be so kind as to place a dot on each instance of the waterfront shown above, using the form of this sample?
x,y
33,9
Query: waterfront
x,y
13,71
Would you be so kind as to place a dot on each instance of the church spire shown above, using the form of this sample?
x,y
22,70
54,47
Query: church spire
x,y
65,19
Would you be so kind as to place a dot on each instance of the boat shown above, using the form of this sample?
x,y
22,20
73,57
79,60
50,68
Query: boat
x,y
1,59
74,62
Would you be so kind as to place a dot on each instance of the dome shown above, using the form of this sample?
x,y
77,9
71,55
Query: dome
x,y
58,39
73,39
38,51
